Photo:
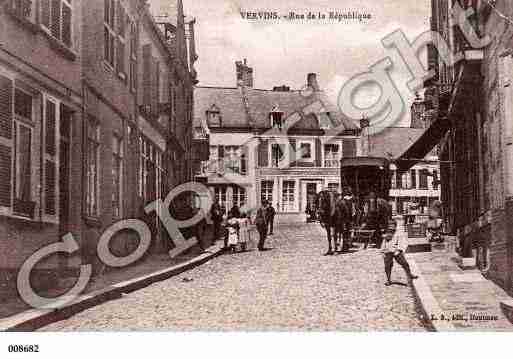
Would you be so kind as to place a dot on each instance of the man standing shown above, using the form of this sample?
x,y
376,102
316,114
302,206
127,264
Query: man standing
x,y
216,213
270,213
261,225
393,249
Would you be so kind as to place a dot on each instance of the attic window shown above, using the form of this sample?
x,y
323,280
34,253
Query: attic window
x,y
214,116
276,117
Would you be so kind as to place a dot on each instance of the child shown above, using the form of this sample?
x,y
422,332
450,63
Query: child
x,y
244,231
233,233
392,250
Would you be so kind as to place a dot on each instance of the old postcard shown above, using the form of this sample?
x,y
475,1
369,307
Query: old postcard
x,y
237,165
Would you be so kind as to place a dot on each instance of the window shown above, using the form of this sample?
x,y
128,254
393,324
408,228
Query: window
x,y
277,154
92,170
305,150
288,196
413,175
56,18
331,155
239,196
266,192
23,9
117,176
276,117
393,178
109,31
151,171
235,159
423,179
23,204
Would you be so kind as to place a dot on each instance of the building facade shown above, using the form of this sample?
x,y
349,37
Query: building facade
x,y
278,145
471,106
96,122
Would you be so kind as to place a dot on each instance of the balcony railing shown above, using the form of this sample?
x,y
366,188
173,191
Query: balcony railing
x,y
224,166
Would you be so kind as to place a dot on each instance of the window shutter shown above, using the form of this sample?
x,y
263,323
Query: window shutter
x,y
263,153
6,123
220,152
66,25
55,26
146,75
120,18
50,187
6,107
349,148
50,158
121,57
318,152
154,90
50,126
293,155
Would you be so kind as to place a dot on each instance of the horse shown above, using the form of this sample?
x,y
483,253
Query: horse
x,y
344,221
335,216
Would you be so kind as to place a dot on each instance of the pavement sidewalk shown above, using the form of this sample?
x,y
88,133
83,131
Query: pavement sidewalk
x,y
17,316
453,299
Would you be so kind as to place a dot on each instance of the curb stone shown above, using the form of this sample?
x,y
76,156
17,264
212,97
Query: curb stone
x,y
428,302
34,319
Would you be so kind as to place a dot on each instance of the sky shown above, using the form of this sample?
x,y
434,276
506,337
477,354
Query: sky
x,y
283,52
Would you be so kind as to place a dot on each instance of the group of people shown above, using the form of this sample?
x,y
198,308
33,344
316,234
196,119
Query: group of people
x,y
239,224
344,212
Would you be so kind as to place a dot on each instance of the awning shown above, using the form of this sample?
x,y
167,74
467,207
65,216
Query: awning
x,y
468,79
425,144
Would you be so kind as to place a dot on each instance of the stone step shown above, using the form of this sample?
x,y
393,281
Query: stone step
x,y
418,245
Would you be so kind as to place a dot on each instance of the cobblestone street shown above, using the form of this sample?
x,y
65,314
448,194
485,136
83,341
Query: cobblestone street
x,y
290,287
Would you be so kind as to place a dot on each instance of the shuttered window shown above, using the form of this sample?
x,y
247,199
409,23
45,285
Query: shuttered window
x,y
56,17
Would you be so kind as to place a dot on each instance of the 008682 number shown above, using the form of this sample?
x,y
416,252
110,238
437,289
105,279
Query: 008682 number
x,y
23,348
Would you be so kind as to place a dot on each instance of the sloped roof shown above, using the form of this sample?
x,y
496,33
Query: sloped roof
x,y
393,141
230,102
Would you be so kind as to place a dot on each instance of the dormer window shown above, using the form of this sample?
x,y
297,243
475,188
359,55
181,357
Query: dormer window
x,y
276,118
214,116
325,121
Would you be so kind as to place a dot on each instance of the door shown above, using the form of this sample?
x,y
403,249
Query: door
x,y
310,190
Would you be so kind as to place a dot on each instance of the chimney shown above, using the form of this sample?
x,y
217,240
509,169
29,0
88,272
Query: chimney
x,y
312,82
244,74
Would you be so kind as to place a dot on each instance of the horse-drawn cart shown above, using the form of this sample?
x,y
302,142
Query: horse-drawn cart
x,y
366,174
